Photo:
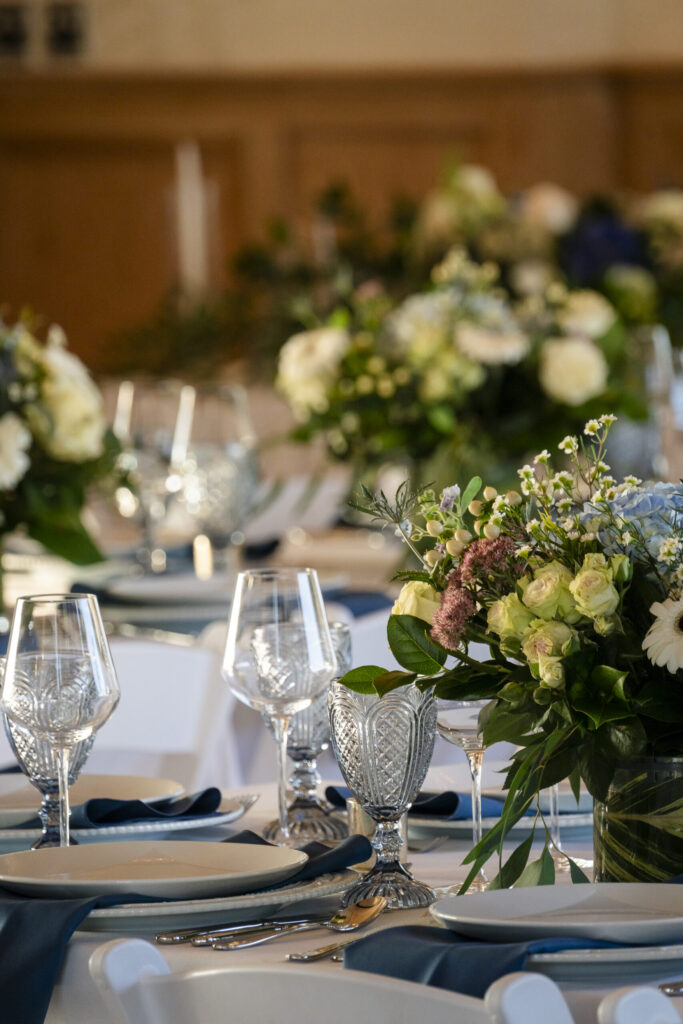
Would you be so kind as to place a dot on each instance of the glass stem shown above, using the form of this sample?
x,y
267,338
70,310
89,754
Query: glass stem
x,y
475,759
554,795
281,728
49,819
63,778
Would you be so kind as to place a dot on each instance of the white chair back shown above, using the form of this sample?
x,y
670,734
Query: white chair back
x,y
637,1006
172,718
526,998
134,981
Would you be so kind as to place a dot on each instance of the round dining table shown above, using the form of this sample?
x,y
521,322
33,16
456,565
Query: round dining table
x,y
75,997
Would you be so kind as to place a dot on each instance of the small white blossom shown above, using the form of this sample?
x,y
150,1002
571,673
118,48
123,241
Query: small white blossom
x,y
608,418
668,549
569,444
542,458
592,428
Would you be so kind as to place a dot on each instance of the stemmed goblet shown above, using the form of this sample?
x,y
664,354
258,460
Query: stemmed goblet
x,y
59,682
309,735
458,723
278,655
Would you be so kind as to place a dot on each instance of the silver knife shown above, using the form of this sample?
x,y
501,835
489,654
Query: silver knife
x,y
239,928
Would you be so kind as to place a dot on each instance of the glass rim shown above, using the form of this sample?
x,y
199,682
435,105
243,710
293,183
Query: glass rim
x,y
54,598
276,570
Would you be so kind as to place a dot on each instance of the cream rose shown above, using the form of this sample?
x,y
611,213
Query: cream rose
x,y
544,639
587,312
307,366
15,440
549,207
490,346
418,599
69,419
593,589
551,671
508,617
547,595
572,370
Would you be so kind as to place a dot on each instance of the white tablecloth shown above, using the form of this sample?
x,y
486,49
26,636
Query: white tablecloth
x,y
75,998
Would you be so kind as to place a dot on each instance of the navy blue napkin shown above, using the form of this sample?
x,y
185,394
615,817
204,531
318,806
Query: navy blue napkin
x,y
446,959
322,860
102,811
449,805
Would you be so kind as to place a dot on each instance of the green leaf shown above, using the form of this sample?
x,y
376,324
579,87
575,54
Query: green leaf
x,y
514,865
578,876
470,491
506,725
389,681
71,542
539,872
412,647
362,679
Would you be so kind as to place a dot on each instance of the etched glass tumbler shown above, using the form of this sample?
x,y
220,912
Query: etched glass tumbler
x,y
383,747
308,736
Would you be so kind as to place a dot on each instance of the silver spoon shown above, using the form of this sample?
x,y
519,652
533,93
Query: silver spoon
x,y
671,988
354,916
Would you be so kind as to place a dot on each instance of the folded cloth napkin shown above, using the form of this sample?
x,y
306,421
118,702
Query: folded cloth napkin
x,y
446,959
34,932
449,806
98,812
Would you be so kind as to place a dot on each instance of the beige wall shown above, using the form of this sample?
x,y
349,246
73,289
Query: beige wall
x,y
310,34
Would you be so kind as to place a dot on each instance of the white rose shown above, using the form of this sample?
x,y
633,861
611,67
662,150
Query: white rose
x,y
531,277
587,312
664,207
549,207
15,440
69,417
307,365
572,370
477,182
490,346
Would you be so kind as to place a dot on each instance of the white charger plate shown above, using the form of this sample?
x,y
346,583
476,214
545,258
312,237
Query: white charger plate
x,y
637,963
462,829
172,870
19,800
230,809
174,588
153,917
616,912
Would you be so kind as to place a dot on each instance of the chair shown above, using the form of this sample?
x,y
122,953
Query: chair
x,y
138,988
172,719
527,998
637,1006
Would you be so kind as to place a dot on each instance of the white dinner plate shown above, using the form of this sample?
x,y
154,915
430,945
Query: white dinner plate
x,y
568,804
152,917
171,870
230,809
173,588
616,912
19,800
462,829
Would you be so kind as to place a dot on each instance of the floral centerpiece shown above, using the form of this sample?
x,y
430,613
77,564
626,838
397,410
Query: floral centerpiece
x,y
461,373
54,442
576,586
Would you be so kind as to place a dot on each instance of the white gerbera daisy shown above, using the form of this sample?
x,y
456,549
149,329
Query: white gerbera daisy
x,y
663,641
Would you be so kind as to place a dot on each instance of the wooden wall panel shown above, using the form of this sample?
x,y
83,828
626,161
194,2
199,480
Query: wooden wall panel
x,y
86,162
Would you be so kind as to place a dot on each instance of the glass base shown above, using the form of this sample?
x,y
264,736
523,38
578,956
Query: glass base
x,y
308,821
400,889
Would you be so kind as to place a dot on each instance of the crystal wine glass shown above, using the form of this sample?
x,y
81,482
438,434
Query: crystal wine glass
x,y
458,722
59,680
220,471
278,655
309,735
152,422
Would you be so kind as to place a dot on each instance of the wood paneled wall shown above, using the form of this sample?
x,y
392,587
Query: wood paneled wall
x,y
87,162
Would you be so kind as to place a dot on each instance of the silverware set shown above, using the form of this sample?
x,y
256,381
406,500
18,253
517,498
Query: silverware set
x,y
243,935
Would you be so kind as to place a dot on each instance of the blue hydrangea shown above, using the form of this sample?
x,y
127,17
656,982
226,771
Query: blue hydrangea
x,y
654,512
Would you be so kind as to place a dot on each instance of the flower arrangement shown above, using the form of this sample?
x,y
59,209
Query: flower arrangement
x,y
54,441
576,586
460,373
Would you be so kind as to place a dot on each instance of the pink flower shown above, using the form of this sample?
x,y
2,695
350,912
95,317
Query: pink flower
x,y
450,619
489,558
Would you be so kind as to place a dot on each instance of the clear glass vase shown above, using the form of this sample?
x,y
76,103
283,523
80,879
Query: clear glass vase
x,y
638,829
383,748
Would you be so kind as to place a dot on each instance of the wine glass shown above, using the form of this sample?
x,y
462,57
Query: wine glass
x,y
59,681
220,472
309,735
152,422
278,654
458,722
